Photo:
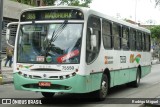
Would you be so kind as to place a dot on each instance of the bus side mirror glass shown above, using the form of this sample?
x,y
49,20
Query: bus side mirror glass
x,y
7,34
10,28
93,41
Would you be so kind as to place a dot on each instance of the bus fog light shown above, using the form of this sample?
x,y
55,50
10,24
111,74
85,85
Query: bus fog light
x,y
30,76
61,77
67,76
73,74
20,73
25,75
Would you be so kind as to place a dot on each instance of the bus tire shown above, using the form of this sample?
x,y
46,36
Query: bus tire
x,y
102,93
137,81
47,94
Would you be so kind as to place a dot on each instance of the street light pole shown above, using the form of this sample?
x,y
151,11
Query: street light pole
x,y
1,23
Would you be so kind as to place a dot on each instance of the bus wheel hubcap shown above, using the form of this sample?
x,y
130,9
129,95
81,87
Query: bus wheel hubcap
x,y
104,88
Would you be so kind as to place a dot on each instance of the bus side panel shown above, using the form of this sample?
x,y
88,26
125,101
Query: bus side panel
x,y
116,77
132,74
96,81
145,70
120,77
124,76
112,74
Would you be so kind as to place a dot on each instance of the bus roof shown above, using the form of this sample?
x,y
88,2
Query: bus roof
x,y
90,11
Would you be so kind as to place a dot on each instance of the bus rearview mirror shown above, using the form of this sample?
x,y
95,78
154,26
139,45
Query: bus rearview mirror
x,y
7,34
93,41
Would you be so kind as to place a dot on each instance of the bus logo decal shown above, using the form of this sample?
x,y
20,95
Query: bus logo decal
x,y
133,59
44,75
25,66
123,59
108,59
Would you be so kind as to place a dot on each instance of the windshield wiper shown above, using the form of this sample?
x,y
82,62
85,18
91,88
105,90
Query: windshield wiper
x,y
55,35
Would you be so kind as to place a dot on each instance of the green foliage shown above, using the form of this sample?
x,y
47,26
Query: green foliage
x,y
83,3
155,32
49,2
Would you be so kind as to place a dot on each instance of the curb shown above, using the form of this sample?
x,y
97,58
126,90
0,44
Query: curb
x,y
7,82
1,79
4,79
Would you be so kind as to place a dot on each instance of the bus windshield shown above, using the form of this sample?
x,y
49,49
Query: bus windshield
x,y
49,43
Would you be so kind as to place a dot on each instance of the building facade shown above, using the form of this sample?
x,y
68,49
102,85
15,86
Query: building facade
x,y
11,13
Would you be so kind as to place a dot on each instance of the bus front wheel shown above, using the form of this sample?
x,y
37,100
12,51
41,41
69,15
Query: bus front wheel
x,y
47,94
102,93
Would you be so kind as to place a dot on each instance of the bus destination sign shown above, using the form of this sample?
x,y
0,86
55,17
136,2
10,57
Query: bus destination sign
x,y
52,15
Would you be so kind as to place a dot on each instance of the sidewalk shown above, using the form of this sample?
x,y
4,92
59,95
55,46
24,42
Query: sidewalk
x,y
7,73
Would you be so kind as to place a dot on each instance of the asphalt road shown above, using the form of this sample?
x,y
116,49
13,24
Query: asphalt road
x,y
149,88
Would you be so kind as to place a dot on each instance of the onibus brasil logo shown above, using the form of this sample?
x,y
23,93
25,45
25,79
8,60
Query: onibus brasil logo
x,y
133,59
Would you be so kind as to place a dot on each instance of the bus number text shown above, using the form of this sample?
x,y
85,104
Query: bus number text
x,y
67,67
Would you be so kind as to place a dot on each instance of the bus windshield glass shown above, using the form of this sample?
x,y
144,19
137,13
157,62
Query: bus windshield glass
x,y
49,43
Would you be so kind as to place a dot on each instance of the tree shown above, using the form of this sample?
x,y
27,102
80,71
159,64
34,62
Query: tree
x,y
83,3
155,31
155,34
157,2
34,2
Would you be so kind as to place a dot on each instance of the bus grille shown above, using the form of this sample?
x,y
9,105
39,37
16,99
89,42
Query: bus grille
x,y
53,86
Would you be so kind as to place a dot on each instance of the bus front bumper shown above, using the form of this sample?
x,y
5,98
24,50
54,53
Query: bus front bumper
x,y
75,84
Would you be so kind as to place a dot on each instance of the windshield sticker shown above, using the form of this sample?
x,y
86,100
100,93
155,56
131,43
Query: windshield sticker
x,y
68,56
49,59
40,58
133,59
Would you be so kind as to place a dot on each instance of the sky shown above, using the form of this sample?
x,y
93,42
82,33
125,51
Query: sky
x,y
141,11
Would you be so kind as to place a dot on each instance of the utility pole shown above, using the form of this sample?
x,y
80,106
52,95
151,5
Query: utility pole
x,y
1,24
135,13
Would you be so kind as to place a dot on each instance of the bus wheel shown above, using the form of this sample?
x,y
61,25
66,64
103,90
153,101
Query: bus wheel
x,y
137,81
47,94
102,93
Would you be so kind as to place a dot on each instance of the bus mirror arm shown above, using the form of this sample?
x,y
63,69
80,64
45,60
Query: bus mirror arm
x,y
7,37
9,44
91,30
7,34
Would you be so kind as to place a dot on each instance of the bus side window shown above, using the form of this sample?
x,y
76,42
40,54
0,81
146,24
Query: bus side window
x,y
144,41
125,38
95,25
106,32
139,41
133,39
116,34
147,42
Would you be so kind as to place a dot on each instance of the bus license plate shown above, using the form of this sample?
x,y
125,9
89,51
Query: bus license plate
x,y
44,84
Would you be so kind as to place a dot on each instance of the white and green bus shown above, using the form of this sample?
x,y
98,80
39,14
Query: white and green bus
x,y
78,50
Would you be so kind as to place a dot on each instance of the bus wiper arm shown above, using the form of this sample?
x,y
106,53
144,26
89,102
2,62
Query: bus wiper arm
x,y
56,34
